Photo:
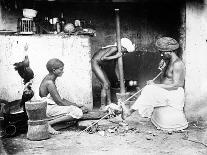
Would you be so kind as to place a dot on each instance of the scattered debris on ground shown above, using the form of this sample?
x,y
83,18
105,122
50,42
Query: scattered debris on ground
x,y
112,136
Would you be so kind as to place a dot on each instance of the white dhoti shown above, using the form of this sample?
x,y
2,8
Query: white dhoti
x,y
164,107
56,110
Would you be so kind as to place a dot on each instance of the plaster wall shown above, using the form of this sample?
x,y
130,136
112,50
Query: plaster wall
x,y
195,59
76,82
142,22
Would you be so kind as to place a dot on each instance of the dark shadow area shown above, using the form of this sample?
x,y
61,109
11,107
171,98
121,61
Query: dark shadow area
x,y
11,147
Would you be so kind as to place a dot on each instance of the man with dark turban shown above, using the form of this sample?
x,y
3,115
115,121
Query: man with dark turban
x,y
163,102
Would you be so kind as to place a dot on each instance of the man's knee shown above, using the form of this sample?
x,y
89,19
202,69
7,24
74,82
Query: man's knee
x,y
74,111
106,86
148,88
80,113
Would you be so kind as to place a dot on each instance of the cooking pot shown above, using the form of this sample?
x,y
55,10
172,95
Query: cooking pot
x,y
15,123
29,13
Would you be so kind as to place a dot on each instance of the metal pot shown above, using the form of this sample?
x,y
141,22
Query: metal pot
x,y
15,123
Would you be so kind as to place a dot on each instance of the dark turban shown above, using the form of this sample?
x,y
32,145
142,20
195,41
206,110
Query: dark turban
x,y
167,44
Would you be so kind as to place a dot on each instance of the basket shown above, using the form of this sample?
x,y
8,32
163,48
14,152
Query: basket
x,y
26,26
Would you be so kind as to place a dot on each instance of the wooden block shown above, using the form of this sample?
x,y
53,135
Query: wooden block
x,y
38,130
36,110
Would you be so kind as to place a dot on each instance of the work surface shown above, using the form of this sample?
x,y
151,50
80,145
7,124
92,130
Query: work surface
x,y
139,137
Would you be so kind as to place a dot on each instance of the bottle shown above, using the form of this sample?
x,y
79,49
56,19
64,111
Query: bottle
x,y
19,25
34,28
58,27
62,22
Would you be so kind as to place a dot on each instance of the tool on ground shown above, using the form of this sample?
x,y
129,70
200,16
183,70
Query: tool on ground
x,y
108,114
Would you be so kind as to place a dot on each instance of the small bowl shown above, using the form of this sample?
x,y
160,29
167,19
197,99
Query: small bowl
x,y
29,13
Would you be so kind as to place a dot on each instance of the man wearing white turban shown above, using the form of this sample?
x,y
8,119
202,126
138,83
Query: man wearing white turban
x,y
107,53
163,102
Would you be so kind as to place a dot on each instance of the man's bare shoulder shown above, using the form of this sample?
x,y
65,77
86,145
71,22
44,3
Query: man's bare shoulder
x,y
179,64
114,48
47,82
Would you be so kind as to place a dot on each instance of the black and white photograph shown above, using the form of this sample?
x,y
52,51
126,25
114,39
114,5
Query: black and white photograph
x,y
103,77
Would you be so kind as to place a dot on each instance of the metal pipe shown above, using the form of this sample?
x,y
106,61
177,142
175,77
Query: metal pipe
x,y
120,60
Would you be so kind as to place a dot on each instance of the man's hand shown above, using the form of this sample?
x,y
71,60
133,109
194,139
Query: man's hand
x,y
83,108
119,54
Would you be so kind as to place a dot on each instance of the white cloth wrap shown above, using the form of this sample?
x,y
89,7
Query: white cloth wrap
x,y
126,43
55,110
153,96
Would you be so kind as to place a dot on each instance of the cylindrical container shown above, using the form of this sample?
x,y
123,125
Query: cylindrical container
x,y
38,130
77,23
113,94
58,27
122,96
36,110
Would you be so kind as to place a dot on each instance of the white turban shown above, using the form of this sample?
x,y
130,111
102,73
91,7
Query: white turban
x,y
126,43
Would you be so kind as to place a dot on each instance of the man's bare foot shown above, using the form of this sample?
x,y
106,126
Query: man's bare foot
x,y
52,131
103,108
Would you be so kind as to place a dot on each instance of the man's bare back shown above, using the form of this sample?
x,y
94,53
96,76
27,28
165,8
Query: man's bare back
x,y
43,91
56,105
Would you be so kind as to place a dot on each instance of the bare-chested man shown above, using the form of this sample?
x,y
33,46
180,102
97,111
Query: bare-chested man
x,y
169,92
56,106
105,54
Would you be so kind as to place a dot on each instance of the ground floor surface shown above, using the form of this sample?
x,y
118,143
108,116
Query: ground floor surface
x,y
140,137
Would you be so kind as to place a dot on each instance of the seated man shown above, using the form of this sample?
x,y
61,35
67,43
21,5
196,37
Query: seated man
x,y
169,93
56,105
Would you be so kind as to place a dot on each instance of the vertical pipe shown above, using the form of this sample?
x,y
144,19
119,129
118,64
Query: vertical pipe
x,y
2,20
120,60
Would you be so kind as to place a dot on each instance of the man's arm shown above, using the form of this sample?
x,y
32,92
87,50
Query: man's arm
x,y
52,89
178,77
107,55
